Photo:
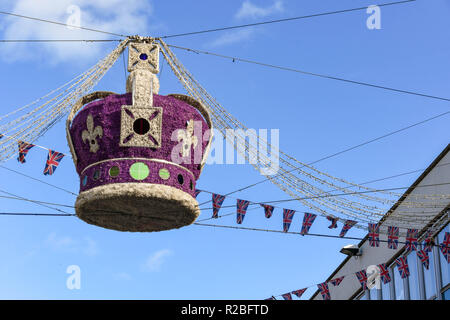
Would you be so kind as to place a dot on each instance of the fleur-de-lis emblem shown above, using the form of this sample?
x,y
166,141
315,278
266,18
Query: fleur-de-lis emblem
x,y
188,138
91,134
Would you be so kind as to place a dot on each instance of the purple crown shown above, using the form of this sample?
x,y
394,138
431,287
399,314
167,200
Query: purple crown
x,y
138,164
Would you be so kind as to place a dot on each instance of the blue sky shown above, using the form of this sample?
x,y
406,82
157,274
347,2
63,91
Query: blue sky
x,y
316,117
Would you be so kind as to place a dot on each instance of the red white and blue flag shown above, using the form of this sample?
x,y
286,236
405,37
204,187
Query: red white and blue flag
x,y
333,221
347,226
271,298
393,237
299,293
402,265
384,273
242,206
324,290
287,296
24,147
308,220
197,192
411,240
374,234
424,258
362,278
53,160
445,247
287,219
268,210
217,203
429,242
337,281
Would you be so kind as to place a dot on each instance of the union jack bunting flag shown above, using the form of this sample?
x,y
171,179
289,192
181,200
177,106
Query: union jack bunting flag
x,y
299,293
393,237
271,298
287,296
53,160
242,206
374,234
333,221
411,240
287,219
445,247
429,242
217,203
362,277
337,281
308,220
384,273
402,265
347,226
268,210
323,288
197,192
424,258
23,150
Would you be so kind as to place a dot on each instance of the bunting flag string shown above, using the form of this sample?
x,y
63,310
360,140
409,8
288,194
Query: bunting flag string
x,y
374,234
242,206
308,220
53,160
402,266
445,247
217,200
288,215
336,282
333,221
424,258
324,291
411,240
24,147
300,292
393,233
268,210
362,278
384,273
347,226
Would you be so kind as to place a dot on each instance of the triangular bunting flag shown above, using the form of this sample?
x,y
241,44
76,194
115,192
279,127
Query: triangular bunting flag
x,y
308,220
53,160
333,221
402,265
337,281
287,219
323,288
197,192
299,293
445,247
242,206
287,296
268,210
411,240
24,147
362,278
347,226
384,273
424,258
217,203
429,241
374,234
393,237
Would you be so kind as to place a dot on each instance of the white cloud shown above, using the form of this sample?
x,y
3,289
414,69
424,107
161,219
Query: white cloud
x,y
155,261
108,15
85,246
232,37
249,10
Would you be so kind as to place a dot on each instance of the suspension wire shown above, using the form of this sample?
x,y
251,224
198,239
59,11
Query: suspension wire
x,y
61,24
280,20
311,73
